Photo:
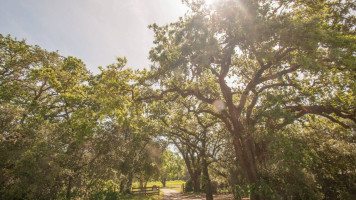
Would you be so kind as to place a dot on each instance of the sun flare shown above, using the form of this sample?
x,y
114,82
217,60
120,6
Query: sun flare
x,y
210,2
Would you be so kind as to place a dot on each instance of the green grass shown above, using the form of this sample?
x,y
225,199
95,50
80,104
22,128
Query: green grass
x,y
178,182
177,188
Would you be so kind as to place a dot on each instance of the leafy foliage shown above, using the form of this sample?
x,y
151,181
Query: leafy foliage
x,y
259,95
64,131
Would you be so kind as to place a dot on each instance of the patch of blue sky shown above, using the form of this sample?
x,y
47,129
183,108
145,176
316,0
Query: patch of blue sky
x,y
96,31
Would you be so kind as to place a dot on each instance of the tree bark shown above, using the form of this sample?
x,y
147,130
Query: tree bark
x,y
208,186
194,171
129,183
196,181
141,182
245,154
69,188
122,186
163,181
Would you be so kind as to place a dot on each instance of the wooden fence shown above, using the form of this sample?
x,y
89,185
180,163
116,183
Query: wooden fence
x,y
145,191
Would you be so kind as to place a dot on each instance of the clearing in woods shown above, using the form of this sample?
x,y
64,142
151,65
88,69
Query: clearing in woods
x,y
170,194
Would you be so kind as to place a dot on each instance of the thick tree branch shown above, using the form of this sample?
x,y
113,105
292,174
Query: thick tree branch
x,y
324,111
278,74
328,109
335,121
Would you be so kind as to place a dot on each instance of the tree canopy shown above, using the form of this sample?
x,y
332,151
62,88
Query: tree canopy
x,y
259,67
258,95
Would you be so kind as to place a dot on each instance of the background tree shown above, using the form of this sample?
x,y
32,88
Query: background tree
x,y
197,137
66,133
46,92
172,167
309,160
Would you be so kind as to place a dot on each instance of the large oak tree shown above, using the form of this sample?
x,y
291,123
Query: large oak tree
x,y
260,65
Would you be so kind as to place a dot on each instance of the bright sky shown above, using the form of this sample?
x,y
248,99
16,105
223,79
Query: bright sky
x,y
96,31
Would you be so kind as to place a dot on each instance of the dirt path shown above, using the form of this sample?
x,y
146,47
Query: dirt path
x,y
175,195
170,194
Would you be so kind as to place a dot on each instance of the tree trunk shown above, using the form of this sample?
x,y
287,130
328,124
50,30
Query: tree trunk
x,y
233,180
122,186
129,183
194,172
206,179
69,188
245,154
196,182
141,182
163,181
